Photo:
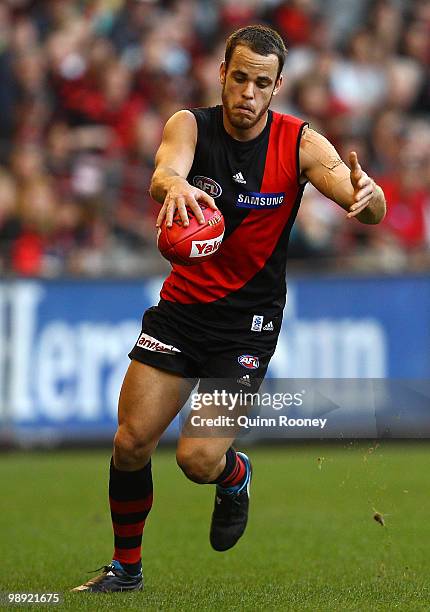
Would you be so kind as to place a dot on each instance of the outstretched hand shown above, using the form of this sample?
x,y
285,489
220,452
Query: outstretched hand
x,y
364,187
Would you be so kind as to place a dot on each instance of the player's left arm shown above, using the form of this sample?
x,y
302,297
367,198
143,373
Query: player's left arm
x,y
351,188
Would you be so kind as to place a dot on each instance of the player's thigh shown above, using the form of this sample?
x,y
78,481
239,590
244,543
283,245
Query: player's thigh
x,y
150,399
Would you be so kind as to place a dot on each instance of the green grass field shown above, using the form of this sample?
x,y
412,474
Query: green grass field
x,y
312,542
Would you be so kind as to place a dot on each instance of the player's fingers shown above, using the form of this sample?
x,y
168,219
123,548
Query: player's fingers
x,y
182,209
358,203
207,199
170,211
353,161
356,171
364,180
362,193
363,200
194,205
358,207
161,215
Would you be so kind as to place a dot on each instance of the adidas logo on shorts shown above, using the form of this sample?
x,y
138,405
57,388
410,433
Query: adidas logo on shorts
x,y
238,178
244,380
268,326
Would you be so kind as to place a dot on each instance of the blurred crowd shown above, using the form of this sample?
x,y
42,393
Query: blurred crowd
x,y
86,87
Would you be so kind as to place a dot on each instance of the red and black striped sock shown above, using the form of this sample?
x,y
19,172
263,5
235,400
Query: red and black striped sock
x,y
130,498
234,473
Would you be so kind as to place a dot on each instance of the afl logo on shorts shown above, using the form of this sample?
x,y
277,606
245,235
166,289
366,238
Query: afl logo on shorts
x,y
249,361
207,184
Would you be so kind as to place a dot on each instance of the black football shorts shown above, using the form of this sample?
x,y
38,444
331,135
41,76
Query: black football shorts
x,y
200,341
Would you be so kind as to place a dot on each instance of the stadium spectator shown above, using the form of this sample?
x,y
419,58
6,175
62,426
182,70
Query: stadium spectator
x,y
87,87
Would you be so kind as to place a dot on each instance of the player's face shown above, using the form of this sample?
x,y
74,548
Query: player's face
x,y
248,85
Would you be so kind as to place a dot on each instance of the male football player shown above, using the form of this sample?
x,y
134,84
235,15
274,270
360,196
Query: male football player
x,y
222,315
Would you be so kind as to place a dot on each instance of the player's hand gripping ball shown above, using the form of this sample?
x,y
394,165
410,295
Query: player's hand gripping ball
x,y
192,244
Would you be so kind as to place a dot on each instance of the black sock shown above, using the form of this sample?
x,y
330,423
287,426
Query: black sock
x,y
234,472
130,498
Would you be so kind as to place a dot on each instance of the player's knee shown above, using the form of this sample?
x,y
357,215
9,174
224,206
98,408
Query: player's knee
x,y
198,463
131,451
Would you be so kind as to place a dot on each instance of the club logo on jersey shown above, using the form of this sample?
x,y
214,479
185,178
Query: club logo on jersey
x,y
238,178
200,248
249,361
257,323
263,201
152,344
209,185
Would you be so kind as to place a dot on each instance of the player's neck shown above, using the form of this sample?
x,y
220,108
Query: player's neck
x,y
245,134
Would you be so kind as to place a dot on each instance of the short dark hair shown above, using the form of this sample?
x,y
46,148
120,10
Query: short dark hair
x,y
260,39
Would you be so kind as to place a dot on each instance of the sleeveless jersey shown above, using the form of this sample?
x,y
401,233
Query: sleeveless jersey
x,y
256,186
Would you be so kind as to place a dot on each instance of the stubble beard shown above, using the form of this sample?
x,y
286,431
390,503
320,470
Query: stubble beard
x,y
243,123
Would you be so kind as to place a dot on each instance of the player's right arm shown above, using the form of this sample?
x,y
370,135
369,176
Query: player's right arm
x,y
351,188
173,162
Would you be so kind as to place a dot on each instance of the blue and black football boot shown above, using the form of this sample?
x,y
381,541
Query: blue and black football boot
x,y
230,515
113,579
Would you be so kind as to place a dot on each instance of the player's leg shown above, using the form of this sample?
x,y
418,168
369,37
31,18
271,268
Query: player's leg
x,y
150,398
203,460
212,460
242,358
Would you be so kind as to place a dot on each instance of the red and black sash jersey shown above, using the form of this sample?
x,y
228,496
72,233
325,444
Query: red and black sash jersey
x,y
256,186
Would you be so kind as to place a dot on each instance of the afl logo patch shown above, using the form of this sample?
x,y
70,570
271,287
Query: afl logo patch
x,y
209,185
249,361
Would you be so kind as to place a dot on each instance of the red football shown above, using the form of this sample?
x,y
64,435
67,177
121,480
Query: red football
x,y
193,244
